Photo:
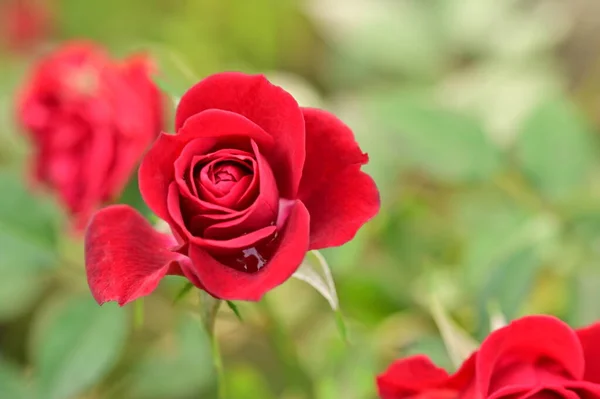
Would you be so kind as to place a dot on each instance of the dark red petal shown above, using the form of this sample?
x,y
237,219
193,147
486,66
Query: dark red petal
x,y
230,199
262,213
228,283
584,390
125,257
590,341
157,171
235,244
196,148
191,188
524,344
267,105
339,197
157,168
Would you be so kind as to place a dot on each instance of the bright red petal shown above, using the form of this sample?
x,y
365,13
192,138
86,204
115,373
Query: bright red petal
x,y
157,171
221,124
418,377
125,257
524,343
590,341
267,105
410,376
339,197
228,283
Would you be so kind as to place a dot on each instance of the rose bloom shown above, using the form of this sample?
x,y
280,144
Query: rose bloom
x,y
248,184
90,120
533,357
23,23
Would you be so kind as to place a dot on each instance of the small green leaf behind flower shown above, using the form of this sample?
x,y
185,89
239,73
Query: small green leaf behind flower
x,y
459,344
235,310
183,292
316,272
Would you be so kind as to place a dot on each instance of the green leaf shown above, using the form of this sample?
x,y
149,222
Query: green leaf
x,y
183,292
235,310
447,145
247,382
79,346
504,248
322,282
12,383
175,75
585,296
138,313
394,37
209,308
458,343
28,226
556,149
497,318
28,244
19,289
181,368
510,282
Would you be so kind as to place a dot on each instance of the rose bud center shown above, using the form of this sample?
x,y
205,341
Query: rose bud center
x,y
225,175
224,179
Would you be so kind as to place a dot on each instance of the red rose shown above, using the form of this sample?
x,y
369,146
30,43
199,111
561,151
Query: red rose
x,y
417,377
23,23
250,183
90,120
534,357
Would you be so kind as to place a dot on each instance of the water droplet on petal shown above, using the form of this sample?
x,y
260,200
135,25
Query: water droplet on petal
x,y
253,252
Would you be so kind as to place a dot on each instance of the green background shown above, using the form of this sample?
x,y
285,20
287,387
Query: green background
x,y
481,120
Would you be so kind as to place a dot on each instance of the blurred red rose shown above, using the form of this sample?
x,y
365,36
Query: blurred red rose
x,y
90,119
250,183
417,377
23,23
534,357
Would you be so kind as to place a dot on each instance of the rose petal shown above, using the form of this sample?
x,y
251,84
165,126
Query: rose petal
x,y
187,179
522,345
235,244
225,282
262,213
197,148
157,171
233,128
267,105
409,377
339,197
182,229
93,171
584,390
125,257
590,341
157,168
417,376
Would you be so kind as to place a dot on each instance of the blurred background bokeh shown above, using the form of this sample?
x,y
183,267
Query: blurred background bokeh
x,y
481,119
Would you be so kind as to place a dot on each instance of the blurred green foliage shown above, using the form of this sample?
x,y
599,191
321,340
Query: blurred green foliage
x,y
481,122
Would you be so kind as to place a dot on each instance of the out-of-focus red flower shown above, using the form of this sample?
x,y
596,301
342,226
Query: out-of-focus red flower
x,y
533,357
90,119
23,23
417,377
248,184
